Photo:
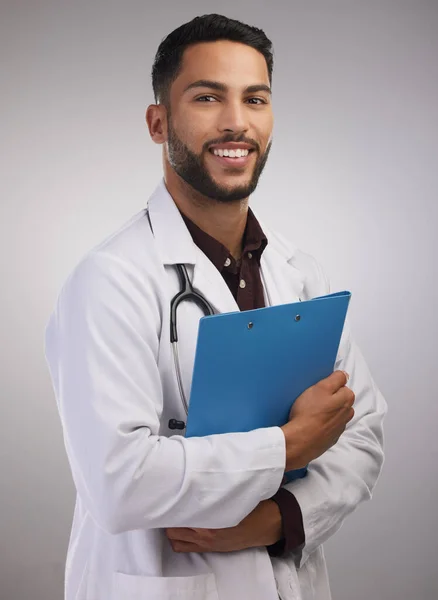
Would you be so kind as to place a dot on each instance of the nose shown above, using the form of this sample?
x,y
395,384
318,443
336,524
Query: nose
x,y
233,118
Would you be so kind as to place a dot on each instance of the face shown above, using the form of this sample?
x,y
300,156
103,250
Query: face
x,y
219,129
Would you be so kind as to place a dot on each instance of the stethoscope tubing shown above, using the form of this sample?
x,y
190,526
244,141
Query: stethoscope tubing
x,y
186,293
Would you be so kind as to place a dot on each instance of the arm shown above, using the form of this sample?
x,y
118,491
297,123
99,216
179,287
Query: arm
x,y
102,345
345,475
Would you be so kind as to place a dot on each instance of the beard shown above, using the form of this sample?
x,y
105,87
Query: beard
x,y
192,169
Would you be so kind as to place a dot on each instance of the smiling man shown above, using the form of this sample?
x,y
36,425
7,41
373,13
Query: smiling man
x,y
158,515
215,118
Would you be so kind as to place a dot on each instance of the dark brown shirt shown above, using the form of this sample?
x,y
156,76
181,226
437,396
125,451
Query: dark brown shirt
x,y
244,280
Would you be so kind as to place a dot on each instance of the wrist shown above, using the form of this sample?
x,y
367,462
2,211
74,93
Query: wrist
x,y
274,523
294,453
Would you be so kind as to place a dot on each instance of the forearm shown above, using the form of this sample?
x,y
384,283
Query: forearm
x,y
343,477
162,482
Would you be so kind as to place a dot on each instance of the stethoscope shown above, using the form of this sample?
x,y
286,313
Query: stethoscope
x,y
187,292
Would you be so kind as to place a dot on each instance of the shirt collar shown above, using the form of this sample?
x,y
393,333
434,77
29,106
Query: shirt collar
x,y
254,241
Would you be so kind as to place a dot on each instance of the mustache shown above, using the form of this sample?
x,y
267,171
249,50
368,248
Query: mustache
x,y
232,138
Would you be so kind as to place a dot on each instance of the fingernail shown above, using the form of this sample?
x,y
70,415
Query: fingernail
x,y
346,375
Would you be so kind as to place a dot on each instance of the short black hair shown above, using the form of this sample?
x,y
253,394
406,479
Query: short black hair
x,y
206,28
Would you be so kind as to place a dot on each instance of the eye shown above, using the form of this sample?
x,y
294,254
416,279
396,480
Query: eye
x,y
206,99
257,101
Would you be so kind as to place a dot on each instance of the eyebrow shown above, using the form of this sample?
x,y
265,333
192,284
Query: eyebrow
x,y
221,87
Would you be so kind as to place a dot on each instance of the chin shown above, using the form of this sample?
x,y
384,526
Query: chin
x,y
233,183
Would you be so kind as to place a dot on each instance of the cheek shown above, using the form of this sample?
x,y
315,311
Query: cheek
x,y
194,138
194,128
264,127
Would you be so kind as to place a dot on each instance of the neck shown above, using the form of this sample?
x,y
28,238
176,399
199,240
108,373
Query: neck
x,y
225,222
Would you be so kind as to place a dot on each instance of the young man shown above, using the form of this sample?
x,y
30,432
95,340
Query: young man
x,y
158,515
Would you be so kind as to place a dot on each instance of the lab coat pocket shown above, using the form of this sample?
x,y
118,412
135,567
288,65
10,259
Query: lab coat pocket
x,y
196,587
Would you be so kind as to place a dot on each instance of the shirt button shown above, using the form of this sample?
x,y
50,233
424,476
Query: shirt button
x,y
242,283
227,262
249,255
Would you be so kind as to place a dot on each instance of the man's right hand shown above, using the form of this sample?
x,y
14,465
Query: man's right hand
x,y
317,419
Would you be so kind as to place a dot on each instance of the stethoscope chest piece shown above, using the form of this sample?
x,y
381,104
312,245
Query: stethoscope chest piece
x,y
174,424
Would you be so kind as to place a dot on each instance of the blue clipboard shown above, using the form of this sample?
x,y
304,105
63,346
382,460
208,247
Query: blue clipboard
x,y
251,366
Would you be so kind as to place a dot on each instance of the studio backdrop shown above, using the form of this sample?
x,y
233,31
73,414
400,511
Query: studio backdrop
x,y
351,179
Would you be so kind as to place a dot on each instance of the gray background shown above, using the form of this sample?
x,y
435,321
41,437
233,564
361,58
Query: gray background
x,y
352,179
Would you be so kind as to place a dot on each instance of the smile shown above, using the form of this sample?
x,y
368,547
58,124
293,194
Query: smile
x,y
235,153
236,157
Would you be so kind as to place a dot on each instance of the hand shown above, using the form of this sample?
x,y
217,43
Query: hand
x,y
317,419
262,527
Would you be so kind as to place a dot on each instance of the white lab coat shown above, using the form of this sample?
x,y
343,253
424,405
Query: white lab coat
x,y
109,355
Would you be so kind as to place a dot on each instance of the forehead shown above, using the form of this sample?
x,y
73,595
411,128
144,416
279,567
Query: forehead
x,y
232,63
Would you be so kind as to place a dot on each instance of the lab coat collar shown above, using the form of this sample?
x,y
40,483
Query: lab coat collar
x,y
172,238
175,246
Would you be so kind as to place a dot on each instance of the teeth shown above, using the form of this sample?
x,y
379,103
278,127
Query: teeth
x,y
238,153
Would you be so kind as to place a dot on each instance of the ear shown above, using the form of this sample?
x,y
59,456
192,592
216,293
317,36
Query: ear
x,y
156,119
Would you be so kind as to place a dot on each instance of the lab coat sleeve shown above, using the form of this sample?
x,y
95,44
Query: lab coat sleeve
x,y
101,345
344,476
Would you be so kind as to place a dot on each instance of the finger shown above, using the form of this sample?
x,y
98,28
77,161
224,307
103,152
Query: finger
x,y
335,381
204,536
195,536
181,533
345,396
180,546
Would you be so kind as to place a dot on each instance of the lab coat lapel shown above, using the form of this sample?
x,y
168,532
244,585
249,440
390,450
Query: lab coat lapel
x,y
209,282
175,246
284,282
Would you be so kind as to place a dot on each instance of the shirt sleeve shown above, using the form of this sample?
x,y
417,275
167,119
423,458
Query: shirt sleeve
x,y
292,524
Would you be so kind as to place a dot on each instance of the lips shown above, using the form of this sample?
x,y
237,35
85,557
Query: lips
x,y
236,161
230,153
232,146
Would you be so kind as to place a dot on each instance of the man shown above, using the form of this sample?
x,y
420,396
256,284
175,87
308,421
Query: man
x,y
158,515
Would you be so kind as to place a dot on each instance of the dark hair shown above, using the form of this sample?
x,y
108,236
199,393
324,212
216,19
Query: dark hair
x,y
207,28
